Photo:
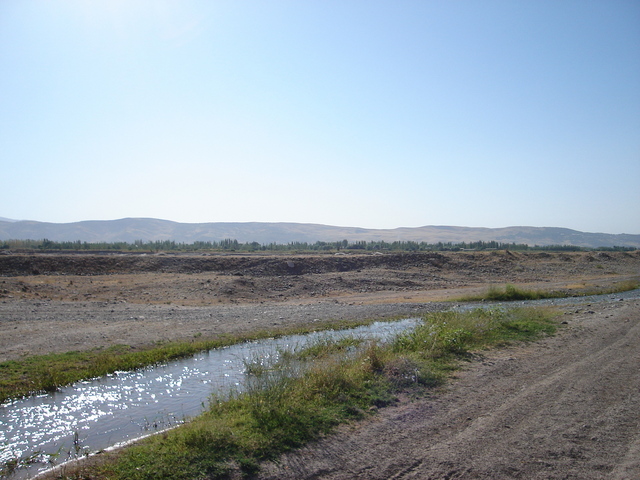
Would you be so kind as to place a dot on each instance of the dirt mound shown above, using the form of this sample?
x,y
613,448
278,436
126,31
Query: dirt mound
x,y
19,264
189,279
259,265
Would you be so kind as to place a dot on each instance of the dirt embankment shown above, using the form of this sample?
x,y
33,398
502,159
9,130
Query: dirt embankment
x,y
61,302
222,279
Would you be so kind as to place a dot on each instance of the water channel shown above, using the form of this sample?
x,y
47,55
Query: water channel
x,y
93,415
97,414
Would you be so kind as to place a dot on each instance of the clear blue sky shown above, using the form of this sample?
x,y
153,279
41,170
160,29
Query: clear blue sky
x,y
364,113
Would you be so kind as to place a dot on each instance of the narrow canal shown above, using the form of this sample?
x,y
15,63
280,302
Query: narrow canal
x,y
93,415
45,430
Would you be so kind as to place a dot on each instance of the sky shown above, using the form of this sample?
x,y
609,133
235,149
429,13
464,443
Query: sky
x,y
362,113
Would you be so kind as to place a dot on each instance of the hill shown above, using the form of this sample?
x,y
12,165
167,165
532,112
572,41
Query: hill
x,y
149,229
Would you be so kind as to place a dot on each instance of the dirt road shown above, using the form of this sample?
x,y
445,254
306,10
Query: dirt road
x,y
567,407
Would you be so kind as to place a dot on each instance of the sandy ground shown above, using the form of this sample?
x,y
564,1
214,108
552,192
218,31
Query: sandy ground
x,y
56,303
566,407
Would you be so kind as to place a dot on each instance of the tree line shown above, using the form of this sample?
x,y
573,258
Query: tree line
x,y
231,245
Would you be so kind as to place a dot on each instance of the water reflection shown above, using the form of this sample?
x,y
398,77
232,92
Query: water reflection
x,y
96,414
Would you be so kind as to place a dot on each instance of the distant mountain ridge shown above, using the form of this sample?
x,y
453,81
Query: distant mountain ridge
x,y
151,229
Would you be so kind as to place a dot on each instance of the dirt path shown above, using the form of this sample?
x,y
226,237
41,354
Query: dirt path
x,y
567,407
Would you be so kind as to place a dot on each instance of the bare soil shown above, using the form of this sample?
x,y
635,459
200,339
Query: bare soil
x,y
565,407
59,302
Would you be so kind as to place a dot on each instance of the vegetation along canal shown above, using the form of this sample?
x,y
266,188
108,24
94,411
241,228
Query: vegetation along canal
x,y
94,415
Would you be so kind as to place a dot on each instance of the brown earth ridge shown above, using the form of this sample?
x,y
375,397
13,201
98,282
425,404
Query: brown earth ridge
x,y
60,302
564,407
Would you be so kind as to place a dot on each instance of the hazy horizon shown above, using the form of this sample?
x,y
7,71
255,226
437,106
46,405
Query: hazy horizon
x,y
356,113
322,224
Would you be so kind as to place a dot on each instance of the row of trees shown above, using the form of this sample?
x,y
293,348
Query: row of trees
x,y
232,245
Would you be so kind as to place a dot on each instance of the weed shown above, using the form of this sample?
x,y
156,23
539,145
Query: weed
x,y
46,373
512,293
325,346
285,406
9,467
624,286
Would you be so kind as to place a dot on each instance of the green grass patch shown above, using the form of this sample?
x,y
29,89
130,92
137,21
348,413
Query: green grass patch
x,y
619,287
455,333
324,347
285,406
510,293
46,373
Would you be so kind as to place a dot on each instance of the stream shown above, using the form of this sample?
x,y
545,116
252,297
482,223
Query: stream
x,y
45,430
93,415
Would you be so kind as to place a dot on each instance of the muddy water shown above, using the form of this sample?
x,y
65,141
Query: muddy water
x,y
94,415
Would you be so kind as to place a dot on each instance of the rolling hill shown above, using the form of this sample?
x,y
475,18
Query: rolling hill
x,y
149,229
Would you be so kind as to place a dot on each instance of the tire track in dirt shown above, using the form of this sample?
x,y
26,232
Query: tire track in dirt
x,y
566,407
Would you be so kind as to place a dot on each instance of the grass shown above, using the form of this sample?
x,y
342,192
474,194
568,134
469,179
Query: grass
x,y
619,287
510,293
46,373
513,293
285,406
